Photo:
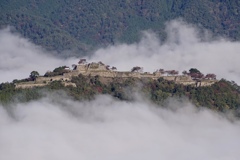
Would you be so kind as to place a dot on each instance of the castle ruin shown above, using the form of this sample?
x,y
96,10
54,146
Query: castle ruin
x,y
102,70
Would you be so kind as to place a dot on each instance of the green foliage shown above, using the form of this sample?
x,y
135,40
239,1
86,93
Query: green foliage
x,y
57,71
7,91
221,96
61,24
194,70
33,75
9,94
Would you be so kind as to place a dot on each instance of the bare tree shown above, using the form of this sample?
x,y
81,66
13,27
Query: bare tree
x,y
185,73
174,72
82,61
113,68
74,66
107,67
161,71
210,76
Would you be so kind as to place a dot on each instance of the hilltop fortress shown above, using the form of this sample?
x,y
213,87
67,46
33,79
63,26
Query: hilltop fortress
x,y
103,71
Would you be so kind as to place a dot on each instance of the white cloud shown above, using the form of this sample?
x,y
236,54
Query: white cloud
x,y
19,57
108,129
185,48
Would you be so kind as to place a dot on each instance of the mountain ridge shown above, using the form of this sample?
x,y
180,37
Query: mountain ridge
x,y
61,25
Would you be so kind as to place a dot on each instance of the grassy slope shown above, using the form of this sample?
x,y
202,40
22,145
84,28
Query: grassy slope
x,y
63,24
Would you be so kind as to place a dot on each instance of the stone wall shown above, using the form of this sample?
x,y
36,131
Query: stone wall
x,y
178,78
50,79
69,84
29,85
81,68
99,69
204,83
69,75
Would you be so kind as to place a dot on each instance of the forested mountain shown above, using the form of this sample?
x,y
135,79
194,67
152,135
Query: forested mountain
x,y
78,24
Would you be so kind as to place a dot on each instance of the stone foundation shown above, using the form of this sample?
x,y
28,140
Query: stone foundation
x,y
99,69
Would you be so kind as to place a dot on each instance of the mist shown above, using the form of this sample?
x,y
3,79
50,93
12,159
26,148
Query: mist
x,y
58,128
19,57
185,47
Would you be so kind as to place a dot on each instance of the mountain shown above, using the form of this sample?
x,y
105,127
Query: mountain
x,y
63,24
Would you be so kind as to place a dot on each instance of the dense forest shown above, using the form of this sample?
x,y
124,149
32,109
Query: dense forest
x,y
78,24
223,96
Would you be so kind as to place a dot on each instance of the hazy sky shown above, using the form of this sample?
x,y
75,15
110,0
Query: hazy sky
x,y
57,128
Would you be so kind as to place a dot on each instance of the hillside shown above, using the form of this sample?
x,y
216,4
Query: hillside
x,y
63,24
87,81
222,96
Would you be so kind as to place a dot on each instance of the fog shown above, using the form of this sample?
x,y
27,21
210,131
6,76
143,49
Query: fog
x,y
59,128
19,57
185,47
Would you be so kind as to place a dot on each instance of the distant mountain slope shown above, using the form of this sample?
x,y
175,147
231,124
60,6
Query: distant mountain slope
x,y
65,24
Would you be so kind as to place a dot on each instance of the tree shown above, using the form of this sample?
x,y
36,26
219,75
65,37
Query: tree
x,y
194,70
136,69
195,74
82,61
33,75
161,71
185,73
173,72
113,68
74,66
101,63
210,76
59,69
107,67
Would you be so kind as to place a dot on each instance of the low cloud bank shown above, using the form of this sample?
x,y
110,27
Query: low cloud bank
x,y
19,57
55,129
186,47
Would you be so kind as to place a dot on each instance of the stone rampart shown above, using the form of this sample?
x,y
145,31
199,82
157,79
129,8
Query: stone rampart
x,y
50,79
29,85
101,70
205,83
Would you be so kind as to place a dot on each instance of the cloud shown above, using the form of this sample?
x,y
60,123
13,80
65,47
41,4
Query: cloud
x,y
19,57
58,128
109,129
186,47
